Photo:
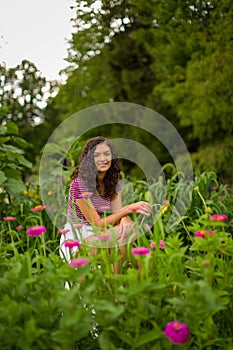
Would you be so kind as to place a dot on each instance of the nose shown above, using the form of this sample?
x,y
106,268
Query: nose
x,y
102,157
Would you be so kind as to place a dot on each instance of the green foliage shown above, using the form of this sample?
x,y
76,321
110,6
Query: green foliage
x,y
172,56
190,279
13,163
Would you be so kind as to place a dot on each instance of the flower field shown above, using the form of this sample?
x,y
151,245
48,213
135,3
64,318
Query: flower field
x,y
174,291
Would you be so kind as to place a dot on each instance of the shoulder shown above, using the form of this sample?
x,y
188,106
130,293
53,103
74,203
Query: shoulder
x,y
118,186
78,185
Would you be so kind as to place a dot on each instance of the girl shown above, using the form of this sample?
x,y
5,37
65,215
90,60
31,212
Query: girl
x,y
96,188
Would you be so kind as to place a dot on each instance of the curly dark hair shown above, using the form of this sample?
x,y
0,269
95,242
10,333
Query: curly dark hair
x,y
87,171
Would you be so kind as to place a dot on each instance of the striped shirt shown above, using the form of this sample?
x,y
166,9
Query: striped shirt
x,y
77,189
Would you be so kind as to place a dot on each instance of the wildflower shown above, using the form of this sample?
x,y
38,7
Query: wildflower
x,y
63,231
177,332
105,207
9,218
134,209
79,262
38,208
161,244
218,217
71,243
36,230
203,233
164,209
85,194
208,210
166,201
196,188
104,236
19,227
78,225
50,193
205,262
141,251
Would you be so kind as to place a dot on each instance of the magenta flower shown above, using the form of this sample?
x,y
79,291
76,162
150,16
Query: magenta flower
x,y
19,227
38,208
9,218
104,236
36,231
71,243
166,202
177,332
135,209
86,194
78,225
105,207
203,233
161,244
63,231
79,262
141,251
218,217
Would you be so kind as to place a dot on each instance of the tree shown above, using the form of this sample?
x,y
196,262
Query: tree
x,y
173,56
24,94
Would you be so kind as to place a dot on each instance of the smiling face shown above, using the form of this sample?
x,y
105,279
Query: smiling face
x,y
102,157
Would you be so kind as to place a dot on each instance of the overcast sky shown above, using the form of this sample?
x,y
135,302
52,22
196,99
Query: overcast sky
x,y
36,30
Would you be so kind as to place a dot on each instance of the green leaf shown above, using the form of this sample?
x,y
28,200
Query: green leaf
x,y
22,143
146,338
3,130
4,139
12,149
12,128
105,342
14,187
2,177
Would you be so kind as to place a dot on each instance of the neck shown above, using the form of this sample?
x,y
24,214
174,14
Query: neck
x,y
101,176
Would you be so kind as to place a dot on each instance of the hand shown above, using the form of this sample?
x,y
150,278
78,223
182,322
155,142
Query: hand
x,y
141,207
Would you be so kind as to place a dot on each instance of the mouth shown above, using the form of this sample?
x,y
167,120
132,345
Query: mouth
x,y
102,164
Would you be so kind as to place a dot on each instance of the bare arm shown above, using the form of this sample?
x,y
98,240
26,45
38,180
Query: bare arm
x,y
95,219
118,211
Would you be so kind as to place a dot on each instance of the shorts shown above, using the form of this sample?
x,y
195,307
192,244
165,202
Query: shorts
x,y
79,234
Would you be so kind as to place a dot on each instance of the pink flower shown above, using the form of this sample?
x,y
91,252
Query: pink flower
x,y
9,218
105,207
161,244
177,332
85,194
63,231
141,251
71,243
104,236
78,225
218,217
79,262
203,233
19,227
135,209
166,202
36,231
38,208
